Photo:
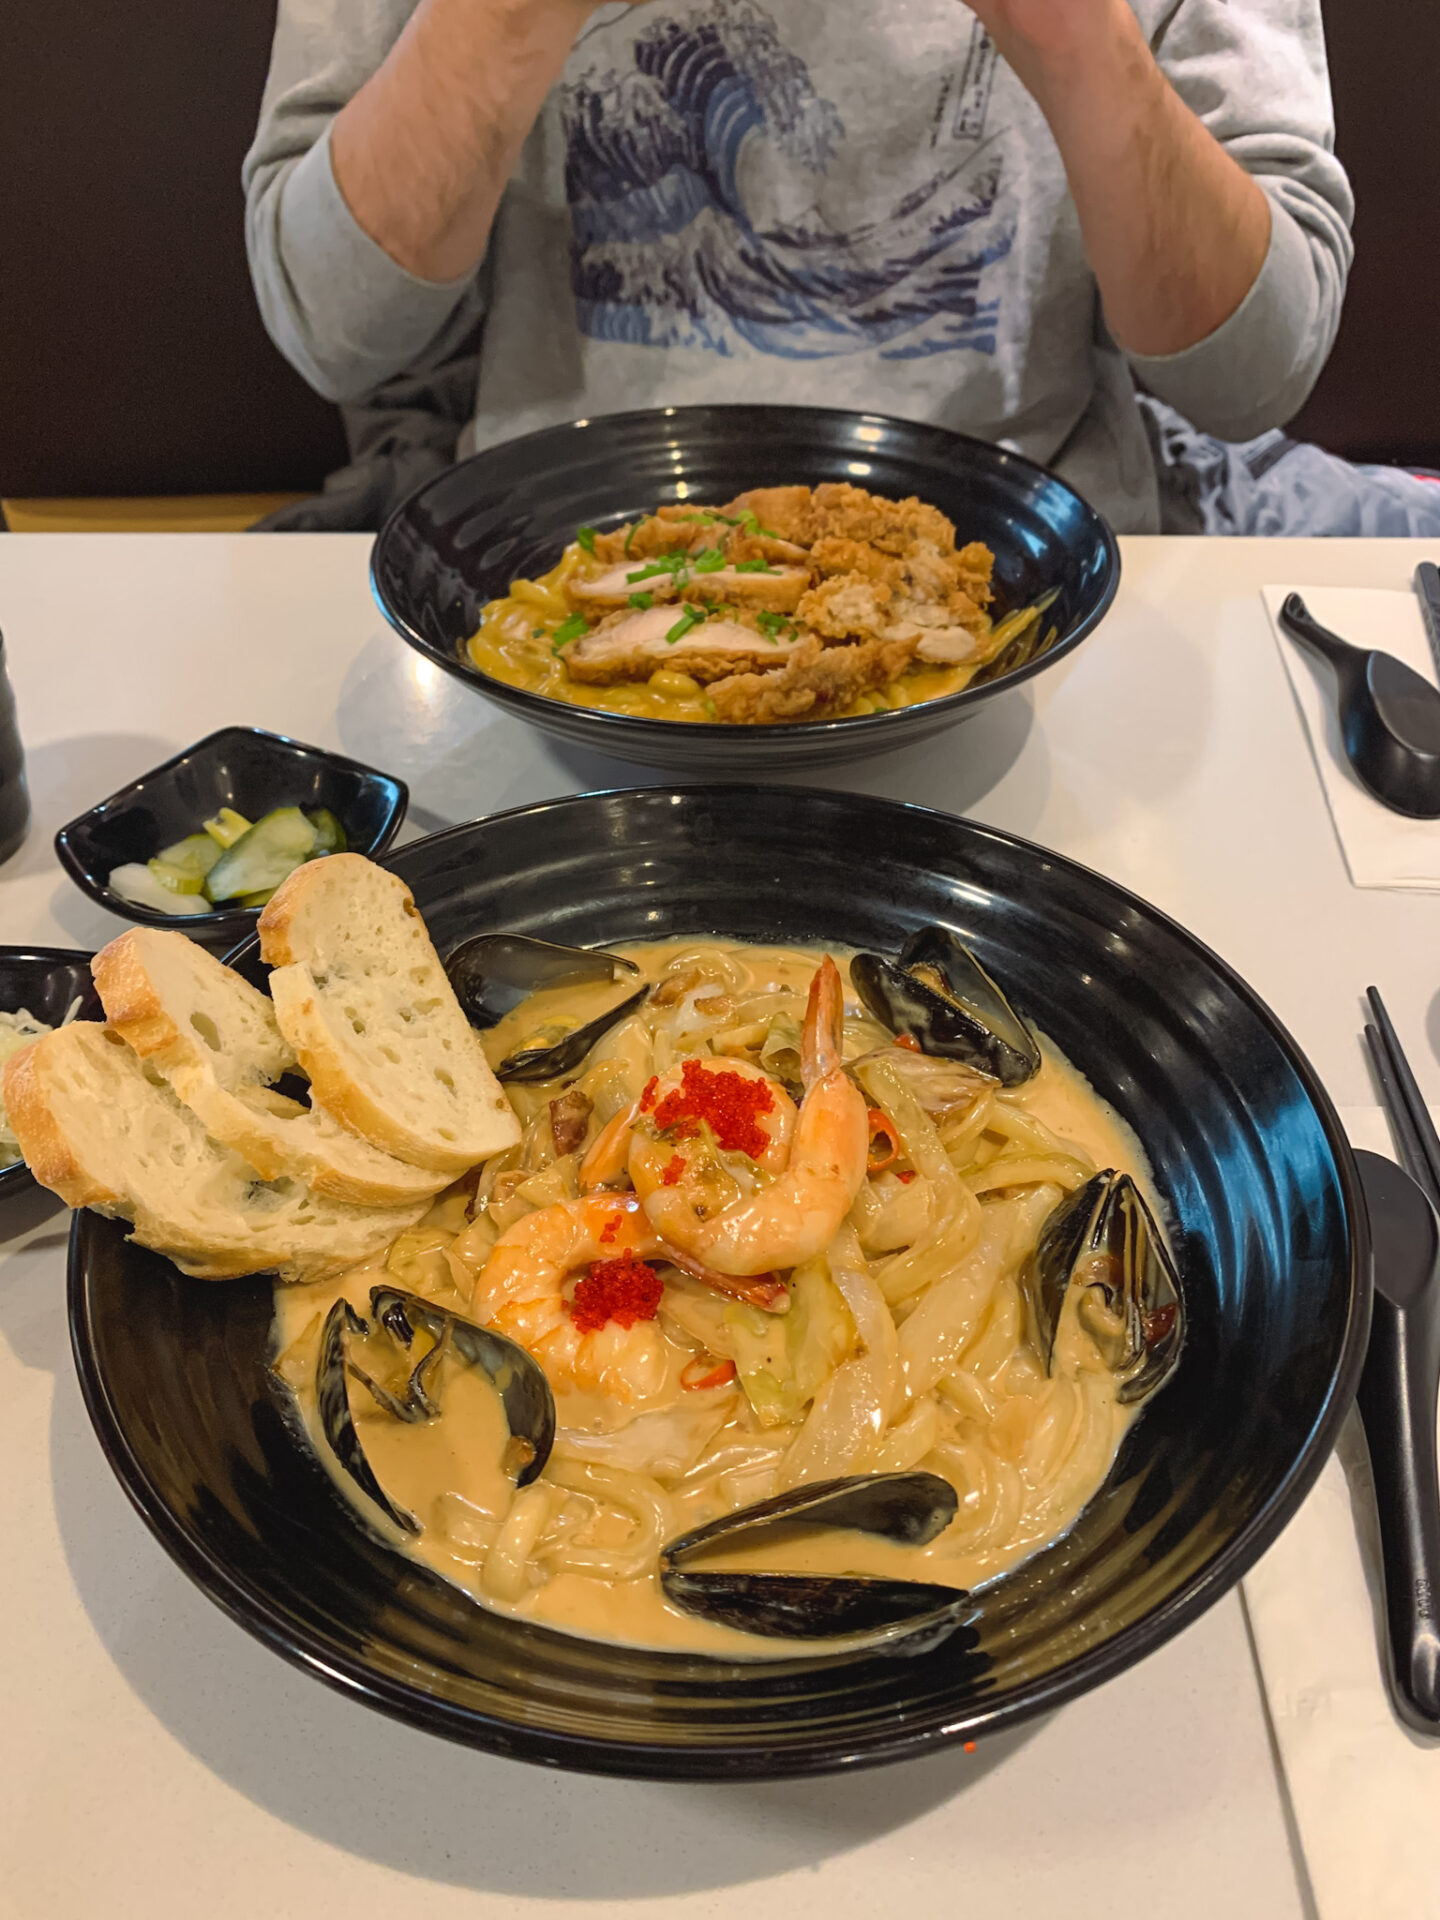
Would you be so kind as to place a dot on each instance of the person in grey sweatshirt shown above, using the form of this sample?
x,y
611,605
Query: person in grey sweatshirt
x,y
1004,218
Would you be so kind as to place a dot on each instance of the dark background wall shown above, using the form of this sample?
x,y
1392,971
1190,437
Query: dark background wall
x,y
132,359
1379,397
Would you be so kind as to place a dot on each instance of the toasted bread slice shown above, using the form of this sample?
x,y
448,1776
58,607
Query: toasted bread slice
x,y
97,1129
214,1039
361,995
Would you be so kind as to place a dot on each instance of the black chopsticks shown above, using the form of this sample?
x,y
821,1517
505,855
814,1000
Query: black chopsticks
x,y
1415,1134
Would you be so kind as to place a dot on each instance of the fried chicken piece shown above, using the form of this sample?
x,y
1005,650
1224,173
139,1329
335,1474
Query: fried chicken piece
x,y
894,526
816,680
847,606
630,646
783,511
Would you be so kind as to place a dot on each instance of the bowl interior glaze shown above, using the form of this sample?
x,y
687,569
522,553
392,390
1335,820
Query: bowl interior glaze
x,y
460,539
1248,1158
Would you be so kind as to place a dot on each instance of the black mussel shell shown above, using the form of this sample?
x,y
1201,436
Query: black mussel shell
x,y
1104,1236
494,972
332,1400
939,992
796,1606
548,1063
911,1508
518,1377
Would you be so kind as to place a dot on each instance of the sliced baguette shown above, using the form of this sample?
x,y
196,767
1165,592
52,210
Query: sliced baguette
x,y
214,1039
97,1129
361,995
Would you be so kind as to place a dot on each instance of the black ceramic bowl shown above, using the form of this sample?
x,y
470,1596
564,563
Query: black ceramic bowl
x,y
240,767
1246,1151
45,981
460,539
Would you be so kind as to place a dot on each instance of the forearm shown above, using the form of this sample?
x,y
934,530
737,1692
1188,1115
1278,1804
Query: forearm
x,y
1175,230
423,151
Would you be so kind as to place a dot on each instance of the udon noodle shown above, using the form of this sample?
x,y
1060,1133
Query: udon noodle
x,y
907,1343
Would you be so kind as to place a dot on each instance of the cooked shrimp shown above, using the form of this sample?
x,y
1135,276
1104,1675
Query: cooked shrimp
x,y
521,1291
617,1147
794,1216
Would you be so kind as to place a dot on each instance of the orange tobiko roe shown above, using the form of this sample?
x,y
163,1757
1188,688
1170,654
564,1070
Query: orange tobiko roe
x,y
725,1101
624,1289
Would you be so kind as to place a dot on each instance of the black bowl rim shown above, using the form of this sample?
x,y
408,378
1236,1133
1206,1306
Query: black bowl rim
x,y
17,1176
231,921
750,1757
859,728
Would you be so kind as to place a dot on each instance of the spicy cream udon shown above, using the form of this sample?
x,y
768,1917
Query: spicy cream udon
x,y
703,1167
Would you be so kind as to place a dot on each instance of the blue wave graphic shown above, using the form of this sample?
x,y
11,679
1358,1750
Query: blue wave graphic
x,y
665,251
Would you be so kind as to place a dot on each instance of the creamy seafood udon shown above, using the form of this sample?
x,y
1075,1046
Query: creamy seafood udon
x,y
756,1244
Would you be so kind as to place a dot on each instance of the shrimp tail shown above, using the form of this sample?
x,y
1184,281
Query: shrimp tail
x,y
764,1290
821,1038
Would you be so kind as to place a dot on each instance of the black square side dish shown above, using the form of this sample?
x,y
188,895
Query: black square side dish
x,y
240,767
45,981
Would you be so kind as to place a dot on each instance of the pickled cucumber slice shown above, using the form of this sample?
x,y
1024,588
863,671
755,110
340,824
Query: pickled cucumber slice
x,y
176,879
196,854
227,827
261,899
331,833
261,858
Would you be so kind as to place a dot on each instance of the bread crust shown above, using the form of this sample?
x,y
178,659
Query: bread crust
x,y
64,1084
355,1094
49,1152
137,1010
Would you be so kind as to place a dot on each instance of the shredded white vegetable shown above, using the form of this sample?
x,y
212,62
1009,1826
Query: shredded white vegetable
x,y
17,1030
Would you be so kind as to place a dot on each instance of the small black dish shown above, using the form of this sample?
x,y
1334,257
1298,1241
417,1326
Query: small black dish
x,y
45,981
240,767
460,539
1266,1221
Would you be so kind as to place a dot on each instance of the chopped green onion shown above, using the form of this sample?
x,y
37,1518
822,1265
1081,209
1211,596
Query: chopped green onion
x,y
710,561
569,630
753,566
630,533
691,617
586,538
770,624
749,524
675,564
644,601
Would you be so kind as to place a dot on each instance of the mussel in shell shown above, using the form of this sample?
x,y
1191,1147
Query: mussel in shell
x,y
939,992
909,1508
518,1379
494,972
1104,1241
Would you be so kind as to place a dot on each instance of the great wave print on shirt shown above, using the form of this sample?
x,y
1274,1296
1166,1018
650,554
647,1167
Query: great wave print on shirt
x,y
697,176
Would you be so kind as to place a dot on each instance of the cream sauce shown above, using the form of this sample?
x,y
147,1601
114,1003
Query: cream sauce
x,y
1025,1452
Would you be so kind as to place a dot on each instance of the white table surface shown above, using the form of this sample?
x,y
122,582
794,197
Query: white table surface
x,y
155,1760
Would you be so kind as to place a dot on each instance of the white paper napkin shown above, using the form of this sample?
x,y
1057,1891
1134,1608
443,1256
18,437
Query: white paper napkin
x,y
1365,1790
1381,848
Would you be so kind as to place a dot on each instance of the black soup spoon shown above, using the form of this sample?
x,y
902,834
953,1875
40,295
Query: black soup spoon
x,y
1389,716
1397,1404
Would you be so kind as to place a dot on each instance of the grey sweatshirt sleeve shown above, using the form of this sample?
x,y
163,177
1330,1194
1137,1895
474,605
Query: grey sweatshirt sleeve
x,y
343,313
1254,72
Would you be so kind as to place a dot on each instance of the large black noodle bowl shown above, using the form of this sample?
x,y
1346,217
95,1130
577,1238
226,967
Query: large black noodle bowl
x,y
1247,1154
460,539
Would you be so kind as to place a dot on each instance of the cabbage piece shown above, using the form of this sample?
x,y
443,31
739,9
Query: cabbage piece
x,y
784,1359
